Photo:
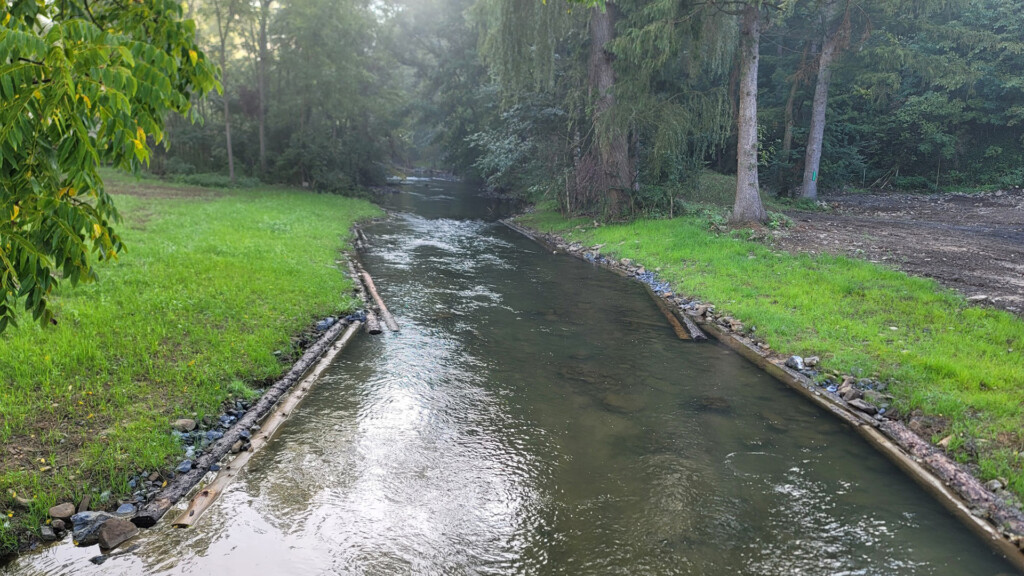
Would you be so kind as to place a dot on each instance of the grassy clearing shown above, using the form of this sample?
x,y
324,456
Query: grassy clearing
x,y
963,365
212,284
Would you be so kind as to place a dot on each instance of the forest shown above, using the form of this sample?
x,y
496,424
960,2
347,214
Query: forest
x,y
610,109
636,256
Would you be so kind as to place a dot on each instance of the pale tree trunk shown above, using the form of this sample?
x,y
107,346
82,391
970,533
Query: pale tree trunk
x,y
224,21
748,207
816,136
227,123
613,145
261,82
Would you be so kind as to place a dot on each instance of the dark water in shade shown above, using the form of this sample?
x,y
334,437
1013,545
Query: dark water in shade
x,y
536,415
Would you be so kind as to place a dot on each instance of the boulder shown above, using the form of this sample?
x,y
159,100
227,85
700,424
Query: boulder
x,y
58,526
863,406
116,531
877,398
795,362
847,391
62,511
47,533
125,509
184,425
86,527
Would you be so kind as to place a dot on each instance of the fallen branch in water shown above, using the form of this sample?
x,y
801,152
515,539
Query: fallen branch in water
x,y
389,320
372,322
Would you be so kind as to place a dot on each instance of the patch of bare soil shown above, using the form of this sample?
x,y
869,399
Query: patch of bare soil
x,y
973,243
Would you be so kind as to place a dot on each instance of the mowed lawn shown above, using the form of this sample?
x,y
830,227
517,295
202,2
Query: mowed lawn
x,y
960,364
212,284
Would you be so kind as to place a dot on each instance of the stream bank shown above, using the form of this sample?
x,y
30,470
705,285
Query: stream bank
x,y
538,415
214,283
988,508
950,369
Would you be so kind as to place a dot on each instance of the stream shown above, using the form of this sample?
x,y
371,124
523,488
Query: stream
x,y
537,415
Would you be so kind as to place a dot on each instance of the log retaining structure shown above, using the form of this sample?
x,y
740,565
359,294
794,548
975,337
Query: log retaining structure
x,y
268,414
203,499
998,524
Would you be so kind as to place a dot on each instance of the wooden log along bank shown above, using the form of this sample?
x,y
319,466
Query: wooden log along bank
x,y
269,413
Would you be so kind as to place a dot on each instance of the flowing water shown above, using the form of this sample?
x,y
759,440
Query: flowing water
x,y
536,415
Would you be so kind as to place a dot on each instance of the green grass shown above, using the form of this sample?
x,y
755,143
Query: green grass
x,y
961,363
212,284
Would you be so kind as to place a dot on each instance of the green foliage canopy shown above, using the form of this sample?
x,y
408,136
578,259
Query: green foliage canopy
x,y
82,84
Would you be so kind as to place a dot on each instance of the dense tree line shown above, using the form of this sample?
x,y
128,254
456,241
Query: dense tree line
x,y
614,108
311,95
608,108
624,103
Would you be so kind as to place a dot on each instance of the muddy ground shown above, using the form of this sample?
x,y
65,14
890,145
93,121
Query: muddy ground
x,y
973,242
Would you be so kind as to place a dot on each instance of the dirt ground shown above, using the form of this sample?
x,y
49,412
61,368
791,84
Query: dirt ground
x,y
973,242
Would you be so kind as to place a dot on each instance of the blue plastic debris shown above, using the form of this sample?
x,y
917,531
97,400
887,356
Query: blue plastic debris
x,y
326,323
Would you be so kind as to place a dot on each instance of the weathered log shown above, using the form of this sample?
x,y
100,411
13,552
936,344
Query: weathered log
x,y
389,320
677,326
695,332
956,477
362,237
357,282
206,497
372,323
177,488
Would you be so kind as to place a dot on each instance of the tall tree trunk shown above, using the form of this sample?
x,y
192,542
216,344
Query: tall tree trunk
x,y
612,142
816,136
225,15
787,136
227,118
798,78
748,207
261,82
